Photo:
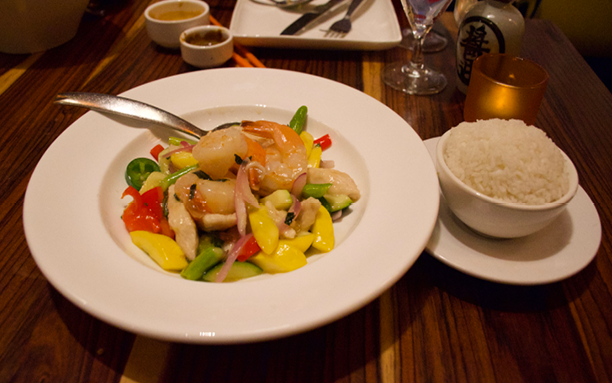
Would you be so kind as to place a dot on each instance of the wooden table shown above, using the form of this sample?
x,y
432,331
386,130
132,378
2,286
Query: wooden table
x,y
434,324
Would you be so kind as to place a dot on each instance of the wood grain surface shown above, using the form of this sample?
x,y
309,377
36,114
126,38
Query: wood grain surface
x,y
435,324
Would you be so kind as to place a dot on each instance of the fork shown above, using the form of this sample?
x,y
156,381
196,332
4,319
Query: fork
x,y
282,3
343,26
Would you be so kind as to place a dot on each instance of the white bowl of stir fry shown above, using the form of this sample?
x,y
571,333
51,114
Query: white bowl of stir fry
x,y
81,243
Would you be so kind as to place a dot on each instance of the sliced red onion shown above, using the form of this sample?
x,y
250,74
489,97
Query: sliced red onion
x,y
231,257
241,214
296,207
279,220
298,185
276,217
257,165
185,148
284,229
242,185
336,215
242,195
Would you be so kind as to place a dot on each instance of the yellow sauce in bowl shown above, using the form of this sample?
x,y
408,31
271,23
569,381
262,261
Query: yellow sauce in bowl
x,y
176,15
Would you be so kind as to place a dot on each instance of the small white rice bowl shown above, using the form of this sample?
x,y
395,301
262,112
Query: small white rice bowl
x,y
503,178
507,160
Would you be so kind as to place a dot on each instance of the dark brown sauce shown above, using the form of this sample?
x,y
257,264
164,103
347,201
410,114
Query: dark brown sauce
x,y
205,39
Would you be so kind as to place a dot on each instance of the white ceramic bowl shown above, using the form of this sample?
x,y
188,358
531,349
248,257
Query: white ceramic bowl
x,y
182,14
493,217
207,56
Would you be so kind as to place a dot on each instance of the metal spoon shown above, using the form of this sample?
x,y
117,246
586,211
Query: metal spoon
x,y
133,109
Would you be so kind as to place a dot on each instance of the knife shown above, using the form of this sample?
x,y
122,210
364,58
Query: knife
x,y
309,17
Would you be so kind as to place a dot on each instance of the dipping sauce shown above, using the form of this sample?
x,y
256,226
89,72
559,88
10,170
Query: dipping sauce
x,y
176,15
205,39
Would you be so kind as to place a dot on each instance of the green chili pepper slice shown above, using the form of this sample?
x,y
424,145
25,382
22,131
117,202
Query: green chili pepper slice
x,y
299,119
138,170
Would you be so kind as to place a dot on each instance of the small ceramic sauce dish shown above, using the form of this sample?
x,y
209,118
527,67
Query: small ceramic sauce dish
x,y
167,19
207,46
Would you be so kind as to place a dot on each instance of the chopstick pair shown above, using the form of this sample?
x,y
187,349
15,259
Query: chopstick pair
x,y
247,59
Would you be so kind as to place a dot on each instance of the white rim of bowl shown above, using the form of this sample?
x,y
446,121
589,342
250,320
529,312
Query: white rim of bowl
x,y
226,32
564,200
204,6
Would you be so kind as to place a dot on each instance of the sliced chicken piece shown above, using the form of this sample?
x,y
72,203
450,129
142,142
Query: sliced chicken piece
x,y
212,222
307,215
186,233
341,182
279,217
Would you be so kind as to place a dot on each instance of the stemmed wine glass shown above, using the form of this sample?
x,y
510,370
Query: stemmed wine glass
x,y
432,42
415,77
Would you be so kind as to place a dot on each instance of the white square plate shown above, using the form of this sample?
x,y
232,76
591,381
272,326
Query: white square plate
x,y
375,26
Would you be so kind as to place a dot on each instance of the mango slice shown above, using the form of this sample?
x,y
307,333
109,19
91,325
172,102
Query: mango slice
x,y
162,249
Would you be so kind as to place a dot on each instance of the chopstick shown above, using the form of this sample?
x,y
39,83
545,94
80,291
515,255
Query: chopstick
x,y
249,60
251,57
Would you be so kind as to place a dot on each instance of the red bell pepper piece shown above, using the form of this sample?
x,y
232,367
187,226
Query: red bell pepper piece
x,y
165,228
145,212
155,152
324,142
249,249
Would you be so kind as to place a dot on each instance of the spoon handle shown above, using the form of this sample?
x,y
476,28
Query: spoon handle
x,y
128,108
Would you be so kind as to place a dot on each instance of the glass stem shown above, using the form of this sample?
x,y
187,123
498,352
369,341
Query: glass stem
x,y
418,59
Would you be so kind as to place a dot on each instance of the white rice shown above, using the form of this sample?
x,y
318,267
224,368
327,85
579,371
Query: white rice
x,y
507,160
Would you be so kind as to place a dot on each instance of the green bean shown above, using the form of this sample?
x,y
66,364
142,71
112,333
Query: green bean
x,y
176,141
299,119
315,190
171,179
205,260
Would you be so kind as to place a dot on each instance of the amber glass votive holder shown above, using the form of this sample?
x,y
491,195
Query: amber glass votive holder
x,y
506,87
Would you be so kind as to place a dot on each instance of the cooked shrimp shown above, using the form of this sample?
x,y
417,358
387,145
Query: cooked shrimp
x,y
210,203
219,195
285,157
183,225
206,197
341,182
215,152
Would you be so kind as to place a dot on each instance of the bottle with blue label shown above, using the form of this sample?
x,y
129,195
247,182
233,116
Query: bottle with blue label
x,y
490,26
